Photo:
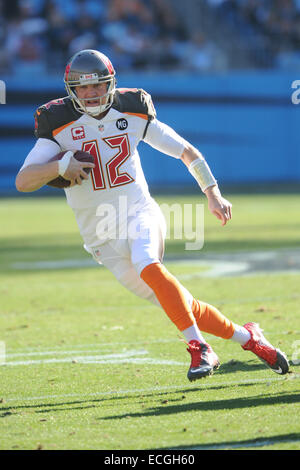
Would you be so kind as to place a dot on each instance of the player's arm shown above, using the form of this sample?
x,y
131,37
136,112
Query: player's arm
x,y
166,140
38,171
199,168
35,176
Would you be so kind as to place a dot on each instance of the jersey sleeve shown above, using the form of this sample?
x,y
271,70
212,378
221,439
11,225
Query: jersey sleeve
x,y
52,115
42,128
163,138
135,101
43,150
150,110
148,105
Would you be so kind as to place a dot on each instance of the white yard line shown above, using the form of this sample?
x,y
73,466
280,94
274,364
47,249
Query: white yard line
x,y
100,347
98,358
216,269
73,352
115,358
181,386
246,444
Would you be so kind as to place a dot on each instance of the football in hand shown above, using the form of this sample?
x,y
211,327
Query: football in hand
x,y
60,181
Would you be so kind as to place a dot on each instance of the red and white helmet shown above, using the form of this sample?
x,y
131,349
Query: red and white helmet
x,y
89,67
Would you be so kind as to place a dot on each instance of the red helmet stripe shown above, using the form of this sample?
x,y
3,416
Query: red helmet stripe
x,y
108,63
67,71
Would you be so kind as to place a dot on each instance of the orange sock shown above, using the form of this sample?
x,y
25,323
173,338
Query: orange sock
x,y
169,294
210,320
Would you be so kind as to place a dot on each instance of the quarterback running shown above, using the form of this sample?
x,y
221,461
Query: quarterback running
x,y
121,225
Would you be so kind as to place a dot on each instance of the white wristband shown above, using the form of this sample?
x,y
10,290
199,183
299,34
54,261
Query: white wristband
x,y
202,174
64,163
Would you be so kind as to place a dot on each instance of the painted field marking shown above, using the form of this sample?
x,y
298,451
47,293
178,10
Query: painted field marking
x,y
84,356
215,268
97,360
181,386
73,352
117,358
127,356
246,444
216,264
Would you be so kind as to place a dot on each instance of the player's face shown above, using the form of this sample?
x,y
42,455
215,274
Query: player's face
x,y
91,94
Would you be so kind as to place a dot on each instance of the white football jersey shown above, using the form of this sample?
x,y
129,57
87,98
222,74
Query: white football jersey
x,y
116,186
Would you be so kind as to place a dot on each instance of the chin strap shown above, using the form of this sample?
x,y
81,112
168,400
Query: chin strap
x,y
94,110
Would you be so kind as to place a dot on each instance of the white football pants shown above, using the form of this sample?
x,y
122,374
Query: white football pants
x,y
126,258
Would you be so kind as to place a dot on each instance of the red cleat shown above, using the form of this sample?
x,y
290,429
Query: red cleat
x,y
270,356
203,360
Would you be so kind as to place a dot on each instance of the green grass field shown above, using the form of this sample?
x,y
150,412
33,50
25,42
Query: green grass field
x,y
90,366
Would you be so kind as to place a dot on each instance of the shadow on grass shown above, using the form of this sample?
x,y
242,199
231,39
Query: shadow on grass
x,y
164,409
238,366
66,246
226,404
20,255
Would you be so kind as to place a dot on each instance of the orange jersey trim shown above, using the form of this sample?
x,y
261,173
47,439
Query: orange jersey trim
x,y
143,116
59,129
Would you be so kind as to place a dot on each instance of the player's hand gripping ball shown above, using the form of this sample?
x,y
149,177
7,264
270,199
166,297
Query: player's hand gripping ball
x,y
60,181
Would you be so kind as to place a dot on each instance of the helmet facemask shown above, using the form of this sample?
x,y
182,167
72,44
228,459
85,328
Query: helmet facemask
x,y
105,101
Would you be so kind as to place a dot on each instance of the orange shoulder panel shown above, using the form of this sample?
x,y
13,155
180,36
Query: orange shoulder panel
x,y
59,129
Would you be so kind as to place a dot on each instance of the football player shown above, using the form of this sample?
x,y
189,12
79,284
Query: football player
x,y
109,123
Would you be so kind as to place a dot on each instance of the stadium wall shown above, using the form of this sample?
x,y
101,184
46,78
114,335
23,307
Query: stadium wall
x,y
245,124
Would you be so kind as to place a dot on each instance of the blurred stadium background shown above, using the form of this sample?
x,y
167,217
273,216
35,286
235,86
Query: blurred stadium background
x,y
219,71
82,354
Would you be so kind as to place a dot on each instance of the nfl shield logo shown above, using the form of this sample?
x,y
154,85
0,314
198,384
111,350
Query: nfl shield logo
x,y
101,128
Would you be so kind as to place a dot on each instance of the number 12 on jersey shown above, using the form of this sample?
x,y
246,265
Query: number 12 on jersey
x,y
114,177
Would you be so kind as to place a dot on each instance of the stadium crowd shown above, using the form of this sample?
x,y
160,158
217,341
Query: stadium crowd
x,y
269,25
40,35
